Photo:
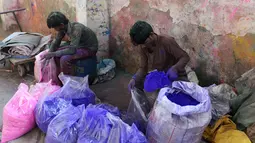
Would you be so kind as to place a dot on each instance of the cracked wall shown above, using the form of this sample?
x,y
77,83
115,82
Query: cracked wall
x,y
218,35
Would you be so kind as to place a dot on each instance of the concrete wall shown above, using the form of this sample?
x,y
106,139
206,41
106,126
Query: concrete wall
x,y
92,13
218,35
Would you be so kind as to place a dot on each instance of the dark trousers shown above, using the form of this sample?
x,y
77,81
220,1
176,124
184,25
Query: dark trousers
x,y
66,62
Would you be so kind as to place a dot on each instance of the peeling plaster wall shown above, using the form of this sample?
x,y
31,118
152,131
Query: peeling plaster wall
x,y
218,35
98,20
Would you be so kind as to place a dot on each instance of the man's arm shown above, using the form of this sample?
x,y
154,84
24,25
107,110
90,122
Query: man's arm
x,y
183,58
56,43
143,68
75,41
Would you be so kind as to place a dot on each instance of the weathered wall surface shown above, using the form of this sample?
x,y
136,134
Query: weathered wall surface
x,y
92,13
98,20
218,35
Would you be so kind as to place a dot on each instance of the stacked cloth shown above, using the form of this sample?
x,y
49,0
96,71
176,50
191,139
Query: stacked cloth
x,y
23,43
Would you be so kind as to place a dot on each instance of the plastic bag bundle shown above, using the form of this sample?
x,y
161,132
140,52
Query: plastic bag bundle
x,y
113,110
77,91
49,107
138,109
106,70
64,78
98,125
45,70
63,128
18,115
39,89
221,96
156,80
171,122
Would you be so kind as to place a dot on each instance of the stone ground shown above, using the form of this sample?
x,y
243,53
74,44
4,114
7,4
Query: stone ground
x,y
114,92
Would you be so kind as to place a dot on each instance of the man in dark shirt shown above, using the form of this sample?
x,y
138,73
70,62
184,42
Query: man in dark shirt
x,y
83,41
166,54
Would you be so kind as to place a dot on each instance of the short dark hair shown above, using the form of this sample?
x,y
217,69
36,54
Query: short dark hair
x,y
56,19
140,31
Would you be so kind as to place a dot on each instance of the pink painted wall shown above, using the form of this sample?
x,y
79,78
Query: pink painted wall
x,y
218,35
91,13
34,18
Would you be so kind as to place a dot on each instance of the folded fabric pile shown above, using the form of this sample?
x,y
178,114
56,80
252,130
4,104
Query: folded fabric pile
x,y
23,43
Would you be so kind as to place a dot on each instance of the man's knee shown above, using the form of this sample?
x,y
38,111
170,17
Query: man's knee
x,y
65,59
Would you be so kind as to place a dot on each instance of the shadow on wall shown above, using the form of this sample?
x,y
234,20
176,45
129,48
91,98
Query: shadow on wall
x,y
204,78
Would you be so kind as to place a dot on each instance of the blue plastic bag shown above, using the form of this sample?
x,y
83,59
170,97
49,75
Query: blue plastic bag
x,y
63,128
98,125
156,80
49,107
76,89
113,110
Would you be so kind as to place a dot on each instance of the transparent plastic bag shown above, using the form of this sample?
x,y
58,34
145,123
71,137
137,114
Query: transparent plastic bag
x,y
64,78
63,128
77,90
113,110
221,96
48,107
39,65
18,115
45,70
38,89
138,109
98,125
170,122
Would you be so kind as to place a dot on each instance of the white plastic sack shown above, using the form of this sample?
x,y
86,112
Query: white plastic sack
x,y
172,123
105,70
191,75
220,97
